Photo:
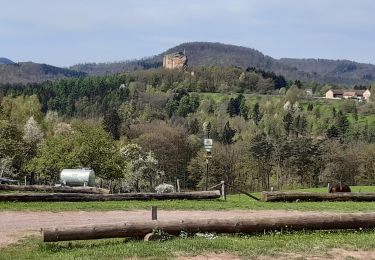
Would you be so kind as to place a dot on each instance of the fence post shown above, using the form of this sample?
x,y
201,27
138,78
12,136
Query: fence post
x,y
178,185
224,196
154,213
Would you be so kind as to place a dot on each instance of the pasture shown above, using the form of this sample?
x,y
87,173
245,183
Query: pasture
x,y
325,106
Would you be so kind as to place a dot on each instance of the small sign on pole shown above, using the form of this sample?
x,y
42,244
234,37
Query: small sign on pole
x,y
207,143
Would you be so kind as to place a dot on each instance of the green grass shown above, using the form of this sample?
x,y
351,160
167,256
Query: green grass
x,y
250,98
325,106
232,202
302,244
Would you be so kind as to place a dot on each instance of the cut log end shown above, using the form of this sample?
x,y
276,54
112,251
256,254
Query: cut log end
x,y
152,237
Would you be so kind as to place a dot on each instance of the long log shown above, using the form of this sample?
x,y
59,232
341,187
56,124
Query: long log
x,y
60,189
275,196
54,197
230,225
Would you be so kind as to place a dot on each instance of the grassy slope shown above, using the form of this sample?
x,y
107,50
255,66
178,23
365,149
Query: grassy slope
x,y
233,202
325,106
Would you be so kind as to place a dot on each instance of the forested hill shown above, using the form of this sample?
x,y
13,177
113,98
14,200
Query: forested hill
x,y
208,54
333,70
26,72
5,61
203,54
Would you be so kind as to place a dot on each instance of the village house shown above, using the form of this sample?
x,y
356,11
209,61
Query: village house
x,y
348,94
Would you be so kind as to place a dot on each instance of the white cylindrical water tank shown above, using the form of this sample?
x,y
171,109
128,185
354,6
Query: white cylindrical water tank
x,y
78,177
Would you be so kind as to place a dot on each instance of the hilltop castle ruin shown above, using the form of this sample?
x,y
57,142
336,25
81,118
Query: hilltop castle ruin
x,y
177,60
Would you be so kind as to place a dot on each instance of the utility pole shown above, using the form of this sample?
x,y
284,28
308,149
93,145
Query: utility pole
x,y
207,142
206,187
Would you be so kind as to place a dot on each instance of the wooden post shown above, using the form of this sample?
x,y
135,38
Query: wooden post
x,y
206,185
25,181
154,213
178,185
223,195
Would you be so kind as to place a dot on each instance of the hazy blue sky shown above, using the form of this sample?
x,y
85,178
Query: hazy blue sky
x,y
71,31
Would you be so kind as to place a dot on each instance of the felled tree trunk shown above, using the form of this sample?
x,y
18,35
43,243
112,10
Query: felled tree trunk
x,y
230,225
61,189
316,196
109,197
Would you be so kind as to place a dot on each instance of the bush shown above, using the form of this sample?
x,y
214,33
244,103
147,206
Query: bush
x,y
164,188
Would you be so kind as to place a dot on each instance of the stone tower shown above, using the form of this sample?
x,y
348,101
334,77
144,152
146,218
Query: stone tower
x,y
177,60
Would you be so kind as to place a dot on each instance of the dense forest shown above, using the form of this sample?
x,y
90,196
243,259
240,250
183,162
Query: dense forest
x,y
143,128
27,72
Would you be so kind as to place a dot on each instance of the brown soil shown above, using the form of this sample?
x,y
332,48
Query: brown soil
x,y
14,225
333,254
212,256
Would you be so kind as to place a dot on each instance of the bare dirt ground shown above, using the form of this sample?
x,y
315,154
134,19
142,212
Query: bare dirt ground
x,y
333,254
15,225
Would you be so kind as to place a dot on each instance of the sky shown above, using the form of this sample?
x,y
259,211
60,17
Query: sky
x,y
67,32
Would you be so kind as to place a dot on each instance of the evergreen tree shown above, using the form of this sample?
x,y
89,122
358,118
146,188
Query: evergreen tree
x,y
207,129
171,107
193,126
332,132
244,110
288,123
231,109
256,115
234,105
228,134
298,83
280,82
317,112
342,123
334,113
112,123
355,113
300,125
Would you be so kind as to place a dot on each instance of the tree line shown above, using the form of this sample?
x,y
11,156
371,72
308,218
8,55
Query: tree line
x,y
141,129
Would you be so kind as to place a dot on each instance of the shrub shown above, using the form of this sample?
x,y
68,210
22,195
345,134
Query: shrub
x,y
164,188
